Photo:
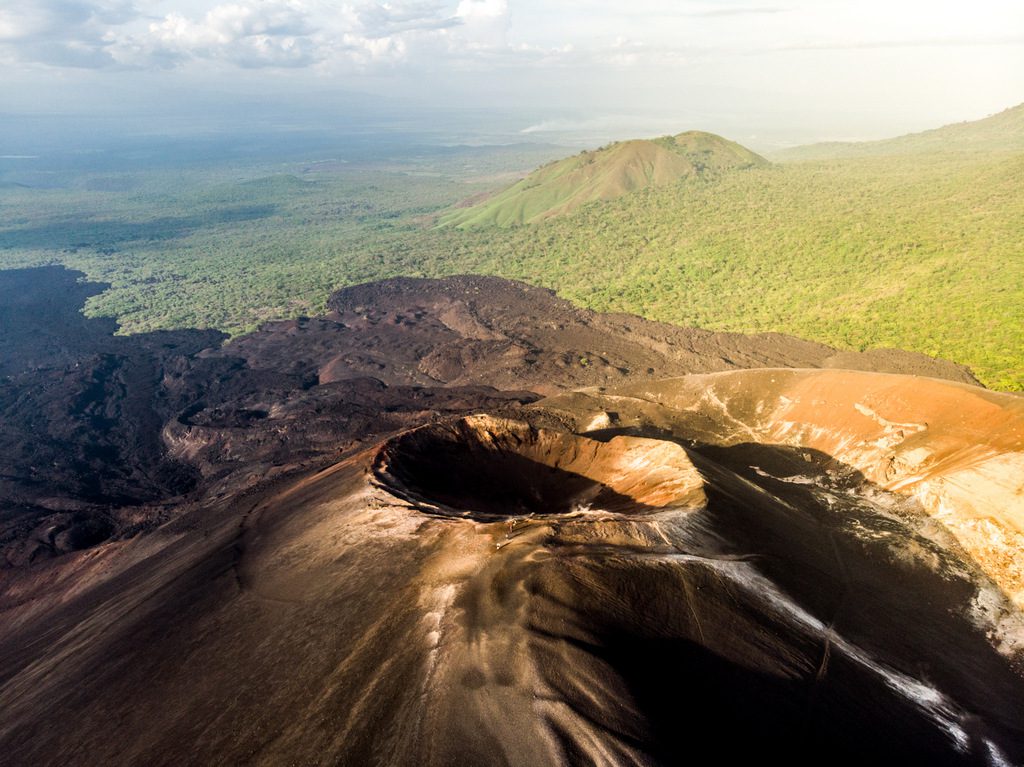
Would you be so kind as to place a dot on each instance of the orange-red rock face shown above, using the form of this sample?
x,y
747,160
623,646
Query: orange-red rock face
x,y
956,449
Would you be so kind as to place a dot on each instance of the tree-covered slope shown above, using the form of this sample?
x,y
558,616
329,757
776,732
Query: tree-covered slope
x,y
999,132
920,252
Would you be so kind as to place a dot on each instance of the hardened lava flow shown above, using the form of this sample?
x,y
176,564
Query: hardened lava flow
x,y
415,560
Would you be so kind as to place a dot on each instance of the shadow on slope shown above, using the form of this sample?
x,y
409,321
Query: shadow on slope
x,y
766,624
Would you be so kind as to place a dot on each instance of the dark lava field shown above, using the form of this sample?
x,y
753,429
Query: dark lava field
x,y
462,521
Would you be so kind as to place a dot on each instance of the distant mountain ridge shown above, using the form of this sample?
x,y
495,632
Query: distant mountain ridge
x,y
605,174
1002,131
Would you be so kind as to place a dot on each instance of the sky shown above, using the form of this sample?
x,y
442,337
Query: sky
x,y
770,73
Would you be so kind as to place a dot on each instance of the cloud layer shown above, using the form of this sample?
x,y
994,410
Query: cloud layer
x,y
703,61
71,33
245,33
365,34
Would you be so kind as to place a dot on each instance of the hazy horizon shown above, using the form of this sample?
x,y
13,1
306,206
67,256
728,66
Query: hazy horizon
x,y
86,72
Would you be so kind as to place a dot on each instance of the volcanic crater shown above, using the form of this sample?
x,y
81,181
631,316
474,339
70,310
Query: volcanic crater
x,y
488,468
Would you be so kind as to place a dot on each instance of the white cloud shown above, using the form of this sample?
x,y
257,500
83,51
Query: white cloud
x,y
333,36
666,54
711,12
484,24
245,33
378,20
249,34
70,33
482,9
297,33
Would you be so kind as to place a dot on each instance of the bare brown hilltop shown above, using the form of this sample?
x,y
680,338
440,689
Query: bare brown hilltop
x,y
462,521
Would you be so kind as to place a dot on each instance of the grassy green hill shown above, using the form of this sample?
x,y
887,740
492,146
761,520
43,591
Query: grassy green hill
x,y
565,185
923,253
1000,132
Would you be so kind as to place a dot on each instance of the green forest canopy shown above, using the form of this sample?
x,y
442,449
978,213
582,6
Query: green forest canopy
x,y
922,252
